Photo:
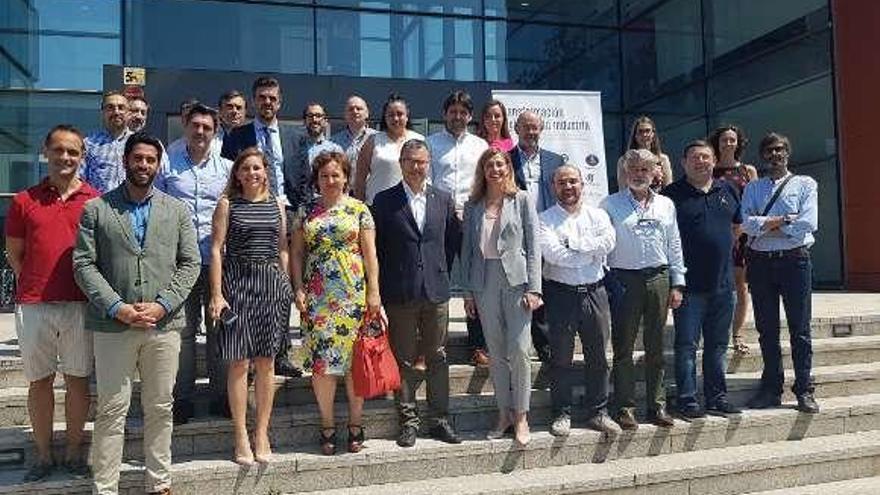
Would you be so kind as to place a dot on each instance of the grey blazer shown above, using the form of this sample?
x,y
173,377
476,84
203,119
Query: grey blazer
x,y
517,244
109,267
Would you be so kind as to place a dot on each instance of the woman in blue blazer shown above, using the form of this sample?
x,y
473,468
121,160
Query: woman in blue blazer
x,y
502,259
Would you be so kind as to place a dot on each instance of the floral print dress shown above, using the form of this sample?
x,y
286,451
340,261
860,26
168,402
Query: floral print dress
x,y
334,282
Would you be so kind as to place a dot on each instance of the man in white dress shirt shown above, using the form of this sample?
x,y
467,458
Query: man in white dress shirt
x,y
649,265
454,156
575,239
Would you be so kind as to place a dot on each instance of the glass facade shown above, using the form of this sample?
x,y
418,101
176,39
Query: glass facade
x,y
689,64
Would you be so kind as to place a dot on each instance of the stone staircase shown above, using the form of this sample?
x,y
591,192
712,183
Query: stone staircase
x,y
778,451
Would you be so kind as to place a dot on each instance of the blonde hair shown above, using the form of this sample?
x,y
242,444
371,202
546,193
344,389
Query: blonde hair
x,y
478,191
233,186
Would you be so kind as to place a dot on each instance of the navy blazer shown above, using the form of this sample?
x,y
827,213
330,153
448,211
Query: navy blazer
x,y
415,265
550,161
245,136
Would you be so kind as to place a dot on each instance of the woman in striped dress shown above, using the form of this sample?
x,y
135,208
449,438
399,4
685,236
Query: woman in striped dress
x,y
249,279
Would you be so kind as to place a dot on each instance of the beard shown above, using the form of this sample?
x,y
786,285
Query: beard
x,y
135,179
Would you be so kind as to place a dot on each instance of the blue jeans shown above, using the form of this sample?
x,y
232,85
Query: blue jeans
x,y
788,278
710,314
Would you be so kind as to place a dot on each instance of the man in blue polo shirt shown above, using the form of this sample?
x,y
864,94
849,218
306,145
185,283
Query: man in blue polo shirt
x,y
708,214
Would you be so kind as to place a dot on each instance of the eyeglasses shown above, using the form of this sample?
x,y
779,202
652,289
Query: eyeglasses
x,y
317,116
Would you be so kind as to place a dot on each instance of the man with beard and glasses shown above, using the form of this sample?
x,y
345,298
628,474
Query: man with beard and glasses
x,y
454,156
575,240
138,109
781,215
648,264
136,258
198,176
312,142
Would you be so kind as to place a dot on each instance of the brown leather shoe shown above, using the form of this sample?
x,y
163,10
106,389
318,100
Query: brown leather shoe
x,y
480,358
661,418
164,491
627,420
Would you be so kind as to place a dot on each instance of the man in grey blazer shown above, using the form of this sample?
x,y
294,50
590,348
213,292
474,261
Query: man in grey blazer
x,y
136,259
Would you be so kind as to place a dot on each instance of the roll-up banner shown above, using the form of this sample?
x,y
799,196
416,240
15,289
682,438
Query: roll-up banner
x,y
572,128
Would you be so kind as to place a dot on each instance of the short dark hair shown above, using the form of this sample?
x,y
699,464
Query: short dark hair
x,y
772,138
141,138
393,98
187,104
202,109
698,143
414,144
741,140
233,93
139,98
111,92
459,97
265,82
312,104
65,128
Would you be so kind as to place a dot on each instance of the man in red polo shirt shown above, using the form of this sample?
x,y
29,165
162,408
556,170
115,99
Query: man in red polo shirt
x,y
49,314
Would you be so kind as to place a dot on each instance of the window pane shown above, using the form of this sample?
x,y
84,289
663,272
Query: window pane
x,y
93,16
633,8
24,122
70,62
220,35
730,24
663,50
594,12
404,46
458,7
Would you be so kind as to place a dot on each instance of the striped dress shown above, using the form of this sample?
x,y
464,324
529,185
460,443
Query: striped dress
x,y
257,290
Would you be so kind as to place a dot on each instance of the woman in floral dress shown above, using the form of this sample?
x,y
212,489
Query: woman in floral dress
x,y
336,280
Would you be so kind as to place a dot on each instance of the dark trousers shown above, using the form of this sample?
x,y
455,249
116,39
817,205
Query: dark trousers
x,y
788,278
584,313
540,331
642,301
708,314
418,328
476,340
196,311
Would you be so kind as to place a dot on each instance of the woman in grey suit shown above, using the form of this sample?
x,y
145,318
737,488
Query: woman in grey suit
x,y
502,259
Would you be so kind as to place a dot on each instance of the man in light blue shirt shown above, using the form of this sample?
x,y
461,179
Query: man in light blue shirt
x,y
648,263
102,165
197,176
356,131
780,235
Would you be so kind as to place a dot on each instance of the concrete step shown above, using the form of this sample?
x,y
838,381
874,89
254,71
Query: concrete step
x,y
858,486
722,472
831,381
296,428
545,465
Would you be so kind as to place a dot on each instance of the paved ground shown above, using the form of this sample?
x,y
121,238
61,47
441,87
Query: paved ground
x,y
825,305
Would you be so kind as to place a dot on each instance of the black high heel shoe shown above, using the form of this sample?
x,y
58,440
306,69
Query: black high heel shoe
x,y
328,442
355,441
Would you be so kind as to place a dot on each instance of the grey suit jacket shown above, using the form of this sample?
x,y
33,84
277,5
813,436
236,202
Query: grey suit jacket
x,y
109,267
517,244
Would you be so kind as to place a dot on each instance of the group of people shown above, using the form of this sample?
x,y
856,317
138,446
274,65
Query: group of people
x,y
129,246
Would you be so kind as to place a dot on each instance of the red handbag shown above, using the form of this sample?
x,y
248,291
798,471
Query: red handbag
x,y
373,368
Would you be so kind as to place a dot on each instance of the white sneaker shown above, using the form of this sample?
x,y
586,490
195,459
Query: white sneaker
x,y
561,426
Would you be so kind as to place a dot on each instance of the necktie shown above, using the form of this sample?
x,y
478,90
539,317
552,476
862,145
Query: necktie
x,y
269,150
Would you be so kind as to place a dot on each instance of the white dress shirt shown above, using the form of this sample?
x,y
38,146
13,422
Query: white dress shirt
x,y
418,202
574,245
647,237
531,167
454,162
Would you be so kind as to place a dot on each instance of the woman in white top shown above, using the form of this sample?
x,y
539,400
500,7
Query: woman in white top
x,y
643,136
378,165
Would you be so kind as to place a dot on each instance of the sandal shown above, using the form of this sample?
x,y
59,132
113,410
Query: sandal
x,y
355,441
328,442
740,348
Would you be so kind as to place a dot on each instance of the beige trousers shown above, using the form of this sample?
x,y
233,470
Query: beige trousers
x,y
119,357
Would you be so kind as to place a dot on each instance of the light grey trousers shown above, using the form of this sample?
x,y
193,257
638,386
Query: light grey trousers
x,y
506,326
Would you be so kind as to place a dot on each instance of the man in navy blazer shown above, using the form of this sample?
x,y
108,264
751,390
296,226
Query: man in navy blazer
x,y
533,169
417,237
